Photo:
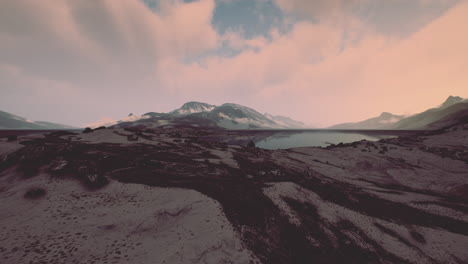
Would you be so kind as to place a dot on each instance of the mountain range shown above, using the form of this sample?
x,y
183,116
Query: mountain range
x,y
10,121
451,111
235,116
227,116
183,195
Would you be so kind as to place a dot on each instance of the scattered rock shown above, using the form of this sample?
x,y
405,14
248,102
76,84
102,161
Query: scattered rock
x,y
35,193
12,138
87,130
251,144
132,138
58,165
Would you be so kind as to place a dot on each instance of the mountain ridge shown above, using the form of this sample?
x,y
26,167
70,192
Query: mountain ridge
x,y
435,118
193,107
225,116
11,121
379,122
449,112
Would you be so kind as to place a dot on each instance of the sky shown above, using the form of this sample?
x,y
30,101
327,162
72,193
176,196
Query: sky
x,y
318,61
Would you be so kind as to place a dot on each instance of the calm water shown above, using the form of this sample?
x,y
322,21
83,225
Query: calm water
x,y
271,139
318,139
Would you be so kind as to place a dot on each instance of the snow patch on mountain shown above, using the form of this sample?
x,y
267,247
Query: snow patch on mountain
x,y
103,121
235,116
391,120
193,107
285,121
107,121
133,118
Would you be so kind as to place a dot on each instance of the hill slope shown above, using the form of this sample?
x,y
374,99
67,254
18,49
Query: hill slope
x,y
379,122
447,114
285,121
450,112
10,121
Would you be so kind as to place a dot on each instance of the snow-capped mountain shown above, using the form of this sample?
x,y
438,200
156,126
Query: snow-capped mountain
x,y
379,122
227,116
10,121
285,121
193,107
234,116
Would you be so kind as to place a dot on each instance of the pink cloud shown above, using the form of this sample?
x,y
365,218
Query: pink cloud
x,y
305,75
117,57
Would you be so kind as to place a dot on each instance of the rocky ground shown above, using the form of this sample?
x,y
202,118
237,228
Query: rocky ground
x,y
167,196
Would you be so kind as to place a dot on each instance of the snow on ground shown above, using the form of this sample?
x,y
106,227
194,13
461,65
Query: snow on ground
x,y
198,109
337,197
439,245
225,157
413,168
122,223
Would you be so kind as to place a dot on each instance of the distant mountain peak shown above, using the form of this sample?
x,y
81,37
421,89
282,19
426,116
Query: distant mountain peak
x,y
193,107
386,115
452,100
194,103
234,105
380,122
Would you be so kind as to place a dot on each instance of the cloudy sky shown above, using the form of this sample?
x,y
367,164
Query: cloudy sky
x,y
318,61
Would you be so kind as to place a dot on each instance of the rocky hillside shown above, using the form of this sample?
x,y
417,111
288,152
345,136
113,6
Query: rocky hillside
x,y
381,122
167,196
450,112
436,118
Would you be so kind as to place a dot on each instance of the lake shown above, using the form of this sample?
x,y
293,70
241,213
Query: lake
x,y
283,139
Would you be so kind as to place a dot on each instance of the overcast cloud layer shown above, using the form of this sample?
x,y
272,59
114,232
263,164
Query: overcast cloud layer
x,y
322,62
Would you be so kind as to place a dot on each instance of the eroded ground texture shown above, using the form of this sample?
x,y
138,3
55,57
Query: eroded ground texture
x,y
165,196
